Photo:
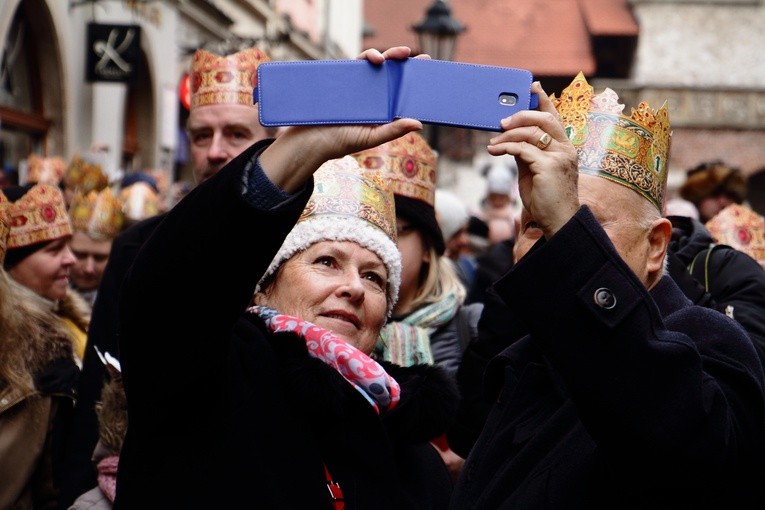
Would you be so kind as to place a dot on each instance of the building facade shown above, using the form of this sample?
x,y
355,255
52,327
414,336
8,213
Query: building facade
x,y
104,76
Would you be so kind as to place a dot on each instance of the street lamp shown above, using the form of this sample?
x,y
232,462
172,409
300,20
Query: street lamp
x,y
437,33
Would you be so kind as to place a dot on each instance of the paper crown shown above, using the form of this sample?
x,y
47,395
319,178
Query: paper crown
x,y
84,177
47,170
97,214
38,216
742,228
4,228
348,204
408,162
227,79
139,201
629,150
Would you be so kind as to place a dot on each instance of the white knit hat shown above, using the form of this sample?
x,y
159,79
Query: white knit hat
x,y
347,204
451,212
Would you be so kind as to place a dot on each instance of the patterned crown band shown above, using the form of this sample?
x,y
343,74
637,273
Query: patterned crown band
x,y
47,170
225,80
38,216
629,150
409,163
99,215
343,189
84,176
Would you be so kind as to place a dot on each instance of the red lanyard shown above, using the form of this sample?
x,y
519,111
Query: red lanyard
x,y
335,492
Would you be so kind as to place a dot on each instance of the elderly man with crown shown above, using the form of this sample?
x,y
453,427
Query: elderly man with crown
x,y
621,393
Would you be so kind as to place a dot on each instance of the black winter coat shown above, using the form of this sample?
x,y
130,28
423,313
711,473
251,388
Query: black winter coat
x,y
735,281
649,403
225,414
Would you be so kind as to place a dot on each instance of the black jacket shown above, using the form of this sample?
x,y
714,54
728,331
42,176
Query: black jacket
x,y
735,282
650,403
78,471
225,414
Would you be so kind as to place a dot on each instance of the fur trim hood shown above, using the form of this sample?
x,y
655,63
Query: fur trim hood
x,y
712,179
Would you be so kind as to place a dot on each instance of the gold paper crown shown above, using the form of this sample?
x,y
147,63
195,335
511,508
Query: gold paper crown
x,y
742,228
230,80
97,214
344,189
139,201
84,177
47,170
408,162
631,151
38,216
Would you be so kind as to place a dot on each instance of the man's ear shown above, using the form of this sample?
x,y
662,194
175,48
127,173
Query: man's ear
x,y
658,239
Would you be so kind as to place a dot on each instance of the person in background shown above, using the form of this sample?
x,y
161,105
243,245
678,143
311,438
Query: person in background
x,y
222,123
82,176
295,409
712,186
622,394
111,410
453,218
96,219
677,206
429,325
708,263
38,364
499,205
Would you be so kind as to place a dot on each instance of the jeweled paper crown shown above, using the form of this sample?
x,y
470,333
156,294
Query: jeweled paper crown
x,y
629,150
227,79
38,216
84,177
408,162
97,214
742,228
348,204
47,170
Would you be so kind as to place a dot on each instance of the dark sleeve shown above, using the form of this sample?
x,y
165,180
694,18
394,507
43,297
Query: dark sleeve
x,y
189,284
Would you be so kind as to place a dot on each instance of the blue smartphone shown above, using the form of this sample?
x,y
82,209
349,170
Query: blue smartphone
x,y
358,92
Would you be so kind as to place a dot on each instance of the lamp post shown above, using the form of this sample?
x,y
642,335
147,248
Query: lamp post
x,y
437,35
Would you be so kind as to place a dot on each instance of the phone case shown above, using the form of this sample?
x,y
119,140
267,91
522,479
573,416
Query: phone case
x,y
358,92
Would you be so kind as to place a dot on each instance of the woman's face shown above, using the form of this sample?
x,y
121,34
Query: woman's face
x,y
46,271
414,253
337,285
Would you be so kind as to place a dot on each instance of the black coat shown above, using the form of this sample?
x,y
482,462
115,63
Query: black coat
x,y
735,282
651,403
225,414
78,471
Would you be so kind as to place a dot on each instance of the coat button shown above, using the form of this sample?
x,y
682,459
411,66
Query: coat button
x,y
604,298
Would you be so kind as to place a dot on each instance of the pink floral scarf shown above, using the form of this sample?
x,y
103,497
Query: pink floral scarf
x,y
107,476
361,371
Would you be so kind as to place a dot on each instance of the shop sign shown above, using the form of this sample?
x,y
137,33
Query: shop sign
x,y
112,52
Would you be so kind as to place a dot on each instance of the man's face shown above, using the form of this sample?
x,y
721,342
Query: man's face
x,y
91,255
618,209
220,132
